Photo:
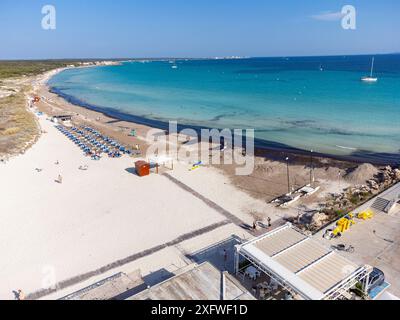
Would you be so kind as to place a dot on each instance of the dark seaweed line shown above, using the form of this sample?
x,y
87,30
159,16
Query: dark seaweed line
x,y
261,146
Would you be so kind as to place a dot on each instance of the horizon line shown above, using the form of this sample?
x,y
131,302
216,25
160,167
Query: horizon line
x,y
232,57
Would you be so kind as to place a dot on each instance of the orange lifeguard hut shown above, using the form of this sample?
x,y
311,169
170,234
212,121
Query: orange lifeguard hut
x,y
142,168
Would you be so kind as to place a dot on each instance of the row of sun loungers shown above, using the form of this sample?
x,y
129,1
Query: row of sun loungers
x,y
93,143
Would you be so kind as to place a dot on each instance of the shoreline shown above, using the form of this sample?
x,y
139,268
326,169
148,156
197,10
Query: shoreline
x,y
263,148
109,207
106,206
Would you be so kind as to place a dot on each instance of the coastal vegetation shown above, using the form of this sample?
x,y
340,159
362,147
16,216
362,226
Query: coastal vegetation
x,y
17,125
14,68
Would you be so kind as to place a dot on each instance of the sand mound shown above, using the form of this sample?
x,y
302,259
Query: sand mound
x,y
361,174
331,173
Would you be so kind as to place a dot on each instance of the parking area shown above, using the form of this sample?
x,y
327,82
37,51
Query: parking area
x,y
376,242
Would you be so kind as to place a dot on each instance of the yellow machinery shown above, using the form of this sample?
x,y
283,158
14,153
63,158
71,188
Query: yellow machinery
x,y
344,224
347,221
365,215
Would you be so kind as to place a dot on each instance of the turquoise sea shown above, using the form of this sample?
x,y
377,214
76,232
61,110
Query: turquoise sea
x,y
304,103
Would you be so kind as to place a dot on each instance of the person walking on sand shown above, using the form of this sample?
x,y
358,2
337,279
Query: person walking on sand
x,y
59,179
225,258
269,222
19,295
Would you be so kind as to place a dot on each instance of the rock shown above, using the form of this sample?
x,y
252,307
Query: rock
x,y
308,233
396,174
381,177
373,184
388,168
319,219
374,191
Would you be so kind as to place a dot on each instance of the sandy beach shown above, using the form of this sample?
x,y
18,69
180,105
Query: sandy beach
x,y
269,166
160,152
92,219
99,216
88,226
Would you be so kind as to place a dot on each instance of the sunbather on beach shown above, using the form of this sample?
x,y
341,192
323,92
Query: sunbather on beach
x,y
59,179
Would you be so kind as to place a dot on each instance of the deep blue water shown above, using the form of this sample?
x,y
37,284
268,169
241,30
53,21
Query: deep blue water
x,y
289,101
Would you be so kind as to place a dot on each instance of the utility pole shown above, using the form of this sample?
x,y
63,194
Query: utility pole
x,y
288,177
311,169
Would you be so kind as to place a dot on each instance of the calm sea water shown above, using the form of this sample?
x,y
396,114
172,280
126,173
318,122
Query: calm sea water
x,y
288,101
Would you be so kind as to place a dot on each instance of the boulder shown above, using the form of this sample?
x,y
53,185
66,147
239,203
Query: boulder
x,y
319,219
373,184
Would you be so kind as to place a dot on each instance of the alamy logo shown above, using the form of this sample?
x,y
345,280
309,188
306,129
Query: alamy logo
x,y
210,146
49,19
349,17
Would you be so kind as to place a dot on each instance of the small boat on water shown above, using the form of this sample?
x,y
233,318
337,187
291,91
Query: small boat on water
x,y
174,67
370,78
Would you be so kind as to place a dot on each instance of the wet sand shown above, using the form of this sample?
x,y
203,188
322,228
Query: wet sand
x,y
106,214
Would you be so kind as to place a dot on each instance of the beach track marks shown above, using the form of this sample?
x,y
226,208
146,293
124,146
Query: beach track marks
x,y
232,218
77,279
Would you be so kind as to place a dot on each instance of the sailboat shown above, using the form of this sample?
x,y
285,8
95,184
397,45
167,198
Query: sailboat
x,y
370,78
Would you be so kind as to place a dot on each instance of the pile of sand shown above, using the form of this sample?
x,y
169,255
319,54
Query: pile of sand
x,y
361,174
330,173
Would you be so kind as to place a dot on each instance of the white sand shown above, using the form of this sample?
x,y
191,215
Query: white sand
x,y
171,259
107,213
94,218
212,184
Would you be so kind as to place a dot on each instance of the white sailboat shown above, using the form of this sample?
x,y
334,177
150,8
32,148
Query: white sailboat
x,y
370,78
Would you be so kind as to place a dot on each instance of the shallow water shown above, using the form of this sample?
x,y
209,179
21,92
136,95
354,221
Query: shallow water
x,y
289,101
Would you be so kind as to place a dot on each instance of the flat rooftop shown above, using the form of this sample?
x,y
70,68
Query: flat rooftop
x,y
200,282
115,287
311,269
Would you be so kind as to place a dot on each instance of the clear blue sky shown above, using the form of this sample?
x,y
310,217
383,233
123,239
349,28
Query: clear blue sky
x,y
195,28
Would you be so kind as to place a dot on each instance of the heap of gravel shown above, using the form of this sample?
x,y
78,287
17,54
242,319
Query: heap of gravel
x,y
361,174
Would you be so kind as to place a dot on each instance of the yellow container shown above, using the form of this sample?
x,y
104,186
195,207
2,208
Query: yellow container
x,y
365,215
345,223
